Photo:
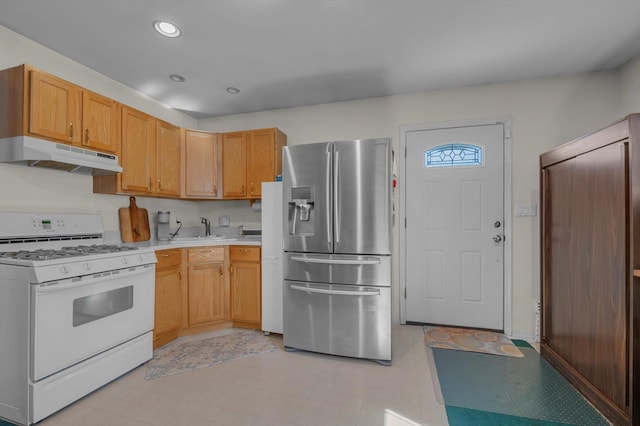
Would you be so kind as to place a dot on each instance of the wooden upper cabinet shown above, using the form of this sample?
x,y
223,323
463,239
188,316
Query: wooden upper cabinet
x,y
234,165
100,122
263,154
201,165
138,151
168,155
55,108
250,158
46,107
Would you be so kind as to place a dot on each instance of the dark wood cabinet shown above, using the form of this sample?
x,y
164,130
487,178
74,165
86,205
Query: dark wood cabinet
x,y
590,204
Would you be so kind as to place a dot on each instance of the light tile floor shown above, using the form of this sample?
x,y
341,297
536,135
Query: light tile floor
x,y
278,388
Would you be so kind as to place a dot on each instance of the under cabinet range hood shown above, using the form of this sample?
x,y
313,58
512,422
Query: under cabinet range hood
x,y
40,153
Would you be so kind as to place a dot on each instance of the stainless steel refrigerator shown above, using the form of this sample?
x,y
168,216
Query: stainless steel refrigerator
x,y
337,240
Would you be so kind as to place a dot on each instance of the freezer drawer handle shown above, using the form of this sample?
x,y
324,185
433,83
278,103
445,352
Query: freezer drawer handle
x,y
336,261
337,292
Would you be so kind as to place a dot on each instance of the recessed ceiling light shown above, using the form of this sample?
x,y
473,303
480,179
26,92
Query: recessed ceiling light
x,y
233,90
177,77
166,28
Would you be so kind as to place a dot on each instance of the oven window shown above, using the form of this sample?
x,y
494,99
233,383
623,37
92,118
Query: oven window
x,y
96,306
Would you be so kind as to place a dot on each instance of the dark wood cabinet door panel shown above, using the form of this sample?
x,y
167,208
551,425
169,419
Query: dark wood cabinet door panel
x,y
586,280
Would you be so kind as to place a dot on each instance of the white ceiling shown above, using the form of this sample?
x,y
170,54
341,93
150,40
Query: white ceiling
x,y
286,53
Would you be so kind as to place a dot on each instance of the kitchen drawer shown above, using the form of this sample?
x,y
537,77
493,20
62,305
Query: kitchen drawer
x,y
245,253
206,254
167,258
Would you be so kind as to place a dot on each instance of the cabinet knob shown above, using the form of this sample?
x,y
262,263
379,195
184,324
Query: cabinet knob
x,y
86,136
70,131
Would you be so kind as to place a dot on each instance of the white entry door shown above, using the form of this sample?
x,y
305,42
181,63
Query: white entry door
x,y
454,207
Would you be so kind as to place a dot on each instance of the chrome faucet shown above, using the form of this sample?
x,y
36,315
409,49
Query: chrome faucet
x,y
207,226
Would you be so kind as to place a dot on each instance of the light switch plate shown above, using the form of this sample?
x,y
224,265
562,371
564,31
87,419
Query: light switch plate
x,y
523,209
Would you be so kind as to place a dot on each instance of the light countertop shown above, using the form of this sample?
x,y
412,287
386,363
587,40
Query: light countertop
x,y
198,242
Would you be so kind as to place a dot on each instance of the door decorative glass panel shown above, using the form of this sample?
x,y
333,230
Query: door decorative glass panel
x,y
452,155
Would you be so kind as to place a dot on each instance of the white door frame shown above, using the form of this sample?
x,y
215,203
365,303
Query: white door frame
x,y
404,130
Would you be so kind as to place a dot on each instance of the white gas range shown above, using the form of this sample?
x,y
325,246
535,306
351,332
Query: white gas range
x,y
75,313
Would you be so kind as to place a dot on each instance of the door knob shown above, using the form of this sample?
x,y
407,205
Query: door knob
x,y
497,238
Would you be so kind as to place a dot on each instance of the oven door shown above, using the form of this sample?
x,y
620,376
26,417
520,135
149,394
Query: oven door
x,y
76,319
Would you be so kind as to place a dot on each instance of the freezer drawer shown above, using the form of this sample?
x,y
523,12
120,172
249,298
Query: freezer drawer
x,y
345,320
338,268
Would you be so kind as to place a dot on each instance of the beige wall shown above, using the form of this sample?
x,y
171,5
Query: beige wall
x,y
545,112
630,86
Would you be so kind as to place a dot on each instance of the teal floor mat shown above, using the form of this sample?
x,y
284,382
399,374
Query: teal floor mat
x,y
527,388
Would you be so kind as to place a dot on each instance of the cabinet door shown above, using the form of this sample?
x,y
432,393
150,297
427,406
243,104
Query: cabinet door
x,y
99,122
138,151
55,108
585,267
234,165
206,293
168,303
201,164
168,155
245,292
260,160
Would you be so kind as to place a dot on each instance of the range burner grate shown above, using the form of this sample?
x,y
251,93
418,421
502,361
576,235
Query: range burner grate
x,y
74,251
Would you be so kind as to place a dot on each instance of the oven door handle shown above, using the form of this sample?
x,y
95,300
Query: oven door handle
x,y
337,292
336,261
92,279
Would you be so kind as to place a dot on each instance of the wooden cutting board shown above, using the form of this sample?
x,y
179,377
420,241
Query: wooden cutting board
x,y
134,223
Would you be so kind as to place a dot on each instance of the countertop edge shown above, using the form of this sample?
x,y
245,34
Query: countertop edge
x,y
165,245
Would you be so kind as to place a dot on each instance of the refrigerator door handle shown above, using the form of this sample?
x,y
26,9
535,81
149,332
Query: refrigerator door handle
x,y
336,195
336,261
336,292
328,198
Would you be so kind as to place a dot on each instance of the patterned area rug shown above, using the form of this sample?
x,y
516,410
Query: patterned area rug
x,y
193,352
465,339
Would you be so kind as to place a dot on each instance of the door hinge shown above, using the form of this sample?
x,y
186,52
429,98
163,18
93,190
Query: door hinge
x,y
405,222
405,292
405,152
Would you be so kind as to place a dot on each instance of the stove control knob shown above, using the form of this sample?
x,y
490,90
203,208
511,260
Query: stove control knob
x,y
87,266
64,269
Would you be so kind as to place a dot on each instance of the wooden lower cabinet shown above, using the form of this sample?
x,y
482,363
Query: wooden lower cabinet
x,y
168,299
246,286
590,212
221,287
208,299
